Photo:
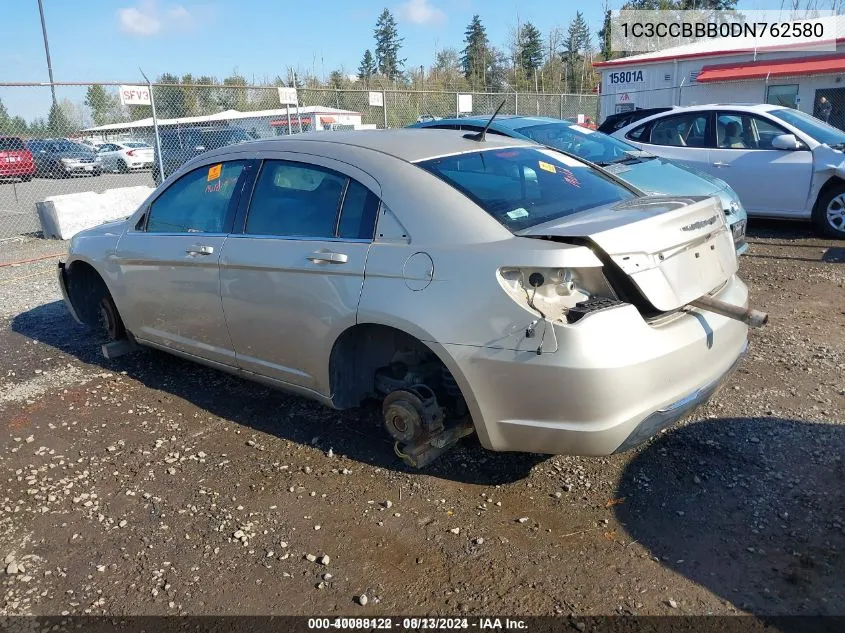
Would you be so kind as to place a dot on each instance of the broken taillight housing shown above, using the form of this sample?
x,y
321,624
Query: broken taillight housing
x,y
559,290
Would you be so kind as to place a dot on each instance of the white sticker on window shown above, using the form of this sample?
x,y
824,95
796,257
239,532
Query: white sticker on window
x,y
517,213
561,158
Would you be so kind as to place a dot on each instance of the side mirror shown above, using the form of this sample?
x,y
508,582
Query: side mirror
x,y
786,141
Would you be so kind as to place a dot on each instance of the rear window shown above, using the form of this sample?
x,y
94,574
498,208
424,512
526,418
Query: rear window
x,y
523,187
11,144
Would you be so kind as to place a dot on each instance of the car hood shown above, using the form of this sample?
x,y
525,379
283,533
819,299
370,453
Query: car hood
x,y
674,249
658,176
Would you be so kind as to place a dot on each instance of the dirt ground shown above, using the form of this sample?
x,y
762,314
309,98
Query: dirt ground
x,y
149,485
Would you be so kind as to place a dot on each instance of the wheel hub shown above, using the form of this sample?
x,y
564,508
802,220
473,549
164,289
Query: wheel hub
x,y
836,212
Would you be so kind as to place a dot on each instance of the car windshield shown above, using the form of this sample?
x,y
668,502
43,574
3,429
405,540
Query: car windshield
x,y
522,187
581,141
811,126
137,145
221,138
67,146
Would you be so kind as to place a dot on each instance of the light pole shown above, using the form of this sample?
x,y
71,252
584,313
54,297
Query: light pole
x,y
47,50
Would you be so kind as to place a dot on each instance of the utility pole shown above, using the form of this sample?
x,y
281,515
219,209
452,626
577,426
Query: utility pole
x,y
47,50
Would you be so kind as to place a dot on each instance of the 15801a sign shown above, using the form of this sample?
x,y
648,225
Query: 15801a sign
x,y
626,77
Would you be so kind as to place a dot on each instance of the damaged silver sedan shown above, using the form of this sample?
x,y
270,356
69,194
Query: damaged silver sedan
x,y
470,284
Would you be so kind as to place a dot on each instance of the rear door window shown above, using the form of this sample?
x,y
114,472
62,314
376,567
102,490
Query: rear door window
x,y
294,199
680,130
201,201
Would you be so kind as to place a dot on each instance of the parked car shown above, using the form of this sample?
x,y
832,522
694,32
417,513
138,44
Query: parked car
x,y
782,162
15,159
644,171
619,120
59,158
125,156
494,285
179,145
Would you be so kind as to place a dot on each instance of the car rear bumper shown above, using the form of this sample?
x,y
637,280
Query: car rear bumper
x,y
16,170
82,168
613,382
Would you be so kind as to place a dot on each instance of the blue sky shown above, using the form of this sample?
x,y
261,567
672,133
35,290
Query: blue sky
x,y
107,40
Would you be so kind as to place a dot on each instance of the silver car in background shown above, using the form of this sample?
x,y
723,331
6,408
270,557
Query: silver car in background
x,y
470,284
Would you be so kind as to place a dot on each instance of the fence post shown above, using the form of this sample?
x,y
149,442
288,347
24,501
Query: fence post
x,y
384,106
515,102
155,127
561,106
457,104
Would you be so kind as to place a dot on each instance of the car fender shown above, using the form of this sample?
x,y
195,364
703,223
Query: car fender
x,y
827,163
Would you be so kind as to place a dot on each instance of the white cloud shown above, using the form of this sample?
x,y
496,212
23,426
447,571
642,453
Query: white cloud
x,y
421,12
148,18
141,20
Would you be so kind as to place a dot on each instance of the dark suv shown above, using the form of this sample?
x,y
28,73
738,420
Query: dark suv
x,y
179,145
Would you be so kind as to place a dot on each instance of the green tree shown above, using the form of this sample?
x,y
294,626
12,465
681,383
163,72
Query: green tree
x,y
39,128
577,41
104,106
5,119
604,36
170,98
17,125
447,71
476,58
57,122
234,96
388,45
530,48
367,68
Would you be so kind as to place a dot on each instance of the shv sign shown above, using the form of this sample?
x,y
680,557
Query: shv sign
x,y
135,95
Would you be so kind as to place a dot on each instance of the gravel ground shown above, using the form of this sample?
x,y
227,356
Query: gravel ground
x,y
148,485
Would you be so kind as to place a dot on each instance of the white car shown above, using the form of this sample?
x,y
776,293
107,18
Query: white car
x,y
783,163
125,156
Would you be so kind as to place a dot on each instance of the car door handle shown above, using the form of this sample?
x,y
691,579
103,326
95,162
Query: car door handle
x,y
719,163
327,257
199,249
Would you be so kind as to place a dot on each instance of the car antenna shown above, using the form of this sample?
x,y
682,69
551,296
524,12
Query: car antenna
x,y
480,136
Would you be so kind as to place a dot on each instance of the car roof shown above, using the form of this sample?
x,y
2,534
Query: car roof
x,y
407,144
509,121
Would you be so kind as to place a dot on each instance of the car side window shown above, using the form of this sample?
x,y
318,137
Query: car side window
x,y
358,213
201,201
739,130
295,200
682,130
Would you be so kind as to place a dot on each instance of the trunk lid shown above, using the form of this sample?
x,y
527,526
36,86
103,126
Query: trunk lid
x,y
674,249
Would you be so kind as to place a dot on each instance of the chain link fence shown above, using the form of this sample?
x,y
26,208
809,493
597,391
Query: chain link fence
x,y
87,141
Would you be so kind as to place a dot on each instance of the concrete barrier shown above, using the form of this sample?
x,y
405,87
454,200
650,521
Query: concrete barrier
x,y
64,216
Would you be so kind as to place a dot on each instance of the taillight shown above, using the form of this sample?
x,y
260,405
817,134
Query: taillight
x,y
131,152
555,291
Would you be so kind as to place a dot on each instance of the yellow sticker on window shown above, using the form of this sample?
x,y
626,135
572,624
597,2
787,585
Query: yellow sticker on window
x,y
547,167
214,171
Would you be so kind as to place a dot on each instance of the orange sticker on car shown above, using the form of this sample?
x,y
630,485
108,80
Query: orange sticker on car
x,y
214,171
547,167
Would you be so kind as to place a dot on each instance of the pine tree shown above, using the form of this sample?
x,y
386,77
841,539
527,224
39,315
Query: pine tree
x,y
388,45
577,40
475,58
170,99
104,105
604,36
5,121
57,123
367,68
531,48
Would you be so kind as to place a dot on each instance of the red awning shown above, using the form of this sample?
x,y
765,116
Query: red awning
x,y
325,120
293,120
818,65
